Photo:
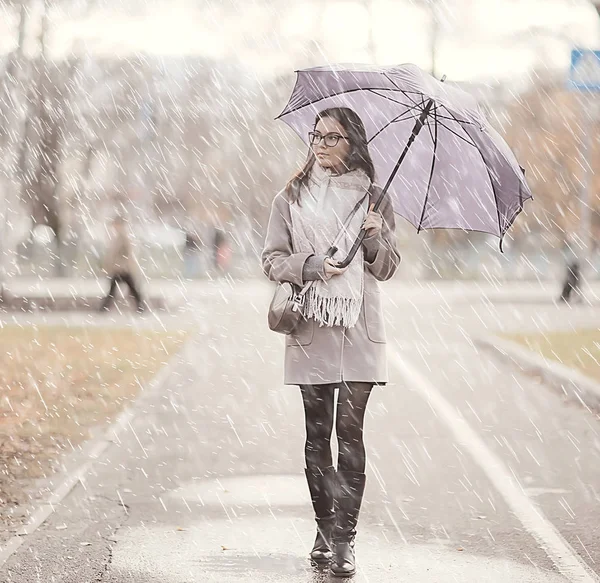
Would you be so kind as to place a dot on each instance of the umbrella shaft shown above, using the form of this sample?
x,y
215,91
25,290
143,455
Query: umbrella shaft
x,y
416,129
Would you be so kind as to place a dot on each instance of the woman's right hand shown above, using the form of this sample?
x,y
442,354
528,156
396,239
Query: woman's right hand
x,y
330,269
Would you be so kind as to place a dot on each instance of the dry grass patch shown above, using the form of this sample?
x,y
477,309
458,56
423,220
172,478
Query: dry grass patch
x,y
578,349
58,382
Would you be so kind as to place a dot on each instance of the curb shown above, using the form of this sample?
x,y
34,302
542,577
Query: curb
x,y
80,462
573,385
54,303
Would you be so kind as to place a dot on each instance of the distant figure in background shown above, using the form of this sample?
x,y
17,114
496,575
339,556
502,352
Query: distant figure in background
x,y
191,257
119,264
572,281
221,250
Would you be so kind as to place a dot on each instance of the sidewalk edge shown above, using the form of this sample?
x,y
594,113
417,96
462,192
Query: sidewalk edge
x,y
80,462
573,385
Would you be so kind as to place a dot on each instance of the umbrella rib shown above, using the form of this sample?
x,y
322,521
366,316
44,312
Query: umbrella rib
x,y
521,201
387,125
429,129
490,179
454,118
329,97
512,220
457,134
403,91
386,75
520,208
494,192
484,163
487,170
430,172
414,104
457,120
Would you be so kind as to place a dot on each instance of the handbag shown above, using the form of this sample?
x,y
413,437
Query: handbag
x,y
286,308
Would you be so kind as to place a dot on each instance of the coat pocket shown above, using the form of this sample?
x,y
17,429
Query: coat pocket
x,y
374,323
303,334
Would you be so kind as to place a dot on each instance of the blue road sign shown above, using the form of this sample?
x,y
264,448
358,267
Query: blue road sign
x,y
585,70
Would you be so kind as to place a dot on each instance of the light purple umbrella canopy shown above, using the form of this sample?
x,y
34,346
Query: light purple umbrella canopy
x,y
459,173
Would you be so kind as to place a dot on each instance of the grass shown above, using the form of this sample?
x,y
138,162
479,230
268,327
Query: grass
x,y
56,383
579,349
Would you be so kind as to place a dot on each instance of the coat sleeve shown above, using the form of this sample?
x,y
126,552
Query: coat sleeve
x,y
109,257
279,262
381,254
314,268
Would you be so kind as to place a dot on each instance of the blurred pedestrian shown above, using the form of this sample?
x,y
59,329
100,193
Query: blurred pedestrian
x,y
191,255
222,251
119,264
340,344
572,282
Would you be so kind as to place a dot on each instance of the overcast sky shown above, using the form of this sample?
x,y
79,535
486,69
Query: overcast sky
x,y
480,39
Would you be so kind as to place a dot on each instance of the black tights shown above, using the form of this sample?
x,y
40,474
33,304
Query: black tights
x,y
318,410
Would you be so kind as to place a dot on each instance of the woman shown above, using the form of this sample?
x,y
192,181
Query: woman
x,y
119,264
341,343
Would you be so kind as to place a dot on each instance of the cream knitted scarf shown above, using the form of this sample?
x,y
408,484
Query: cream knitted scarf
x,y
325,204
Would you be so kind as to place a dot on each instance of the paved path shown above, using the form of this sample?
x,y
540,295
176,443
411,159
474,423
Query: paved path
x,y
474,473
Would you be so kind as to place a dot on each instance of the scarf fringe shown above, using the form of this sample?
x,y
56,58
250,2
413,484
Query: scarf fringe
x,y
329,200
333,311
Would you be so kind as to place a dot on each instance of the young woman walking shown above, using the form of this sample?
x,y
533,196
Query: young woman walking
x,y
341,343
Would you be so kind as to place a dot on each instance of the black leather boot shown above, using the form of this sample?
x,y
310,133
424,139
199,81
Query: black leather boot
x,y
348,498
321,483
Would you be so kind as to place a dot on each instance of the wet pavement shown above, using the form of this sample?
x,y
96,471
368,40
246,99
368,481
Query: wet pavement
x,y
475,473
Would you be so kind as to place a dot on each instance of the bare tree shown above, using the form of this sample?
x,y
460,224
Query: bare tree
x,y
433,9
10,120
545,131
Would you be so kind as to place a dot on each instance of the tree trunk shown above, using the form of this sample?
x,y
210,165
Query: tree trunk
x,y
9,117
45,184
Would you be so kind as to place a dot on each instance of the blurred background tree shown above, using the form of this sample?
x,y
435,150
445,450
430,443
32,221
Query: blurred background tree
x,y
189,142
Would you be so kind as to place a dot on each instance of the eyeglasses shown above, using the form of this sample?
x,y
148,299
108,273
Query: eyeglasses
x,y
330,140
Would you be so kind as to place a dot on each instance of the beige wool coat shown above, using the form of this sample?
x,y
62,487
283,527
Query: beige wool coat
x,y
119,256
321,355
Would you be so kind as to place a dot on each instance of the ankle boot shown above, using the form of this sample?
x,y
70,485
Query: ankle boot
x,y
321,483
348,498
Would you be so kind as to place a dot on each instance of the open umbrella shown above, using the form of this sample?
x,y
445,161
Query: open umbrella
x,y
442,163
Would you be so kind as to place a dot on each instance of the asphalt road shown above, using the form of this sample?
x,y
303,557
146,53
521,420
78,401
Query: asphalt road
x,y
475,473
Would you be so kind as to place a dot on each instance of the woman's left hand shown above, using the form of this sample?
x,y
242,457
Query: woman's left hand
x,y
373,223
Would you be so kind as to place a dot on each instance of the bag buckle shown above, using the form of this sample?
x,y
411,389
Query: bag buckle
x,y
297,302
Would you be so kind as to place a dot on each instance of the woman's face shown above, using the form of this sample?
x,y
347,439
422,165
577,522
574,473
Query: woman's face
x,y
332,157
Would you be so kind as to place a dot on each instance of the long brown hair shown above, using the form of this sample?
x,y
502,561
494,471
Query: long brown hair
x,y
358,156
